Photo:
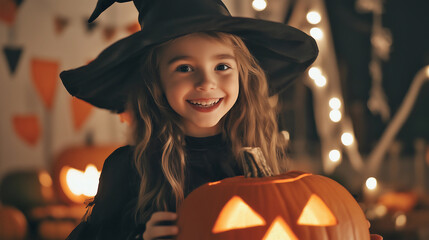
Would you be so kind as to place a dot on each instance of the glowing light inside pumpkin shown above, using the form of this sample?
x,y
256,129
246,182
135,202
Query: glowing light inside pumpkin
x,y
279,230
371,183
237,214
83,183
314,17
316,213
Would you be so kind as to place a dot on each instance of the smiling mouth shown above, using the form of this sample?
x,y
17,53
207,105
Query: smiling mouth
x,y
205,105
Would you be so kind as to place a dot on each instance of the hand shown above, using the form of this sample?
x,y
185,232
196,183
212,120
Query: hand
x,y
374,236
155,228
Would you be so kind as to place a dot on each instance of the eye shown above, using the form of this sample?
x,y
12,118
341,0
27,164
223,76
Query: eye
x,y
222,67
184,68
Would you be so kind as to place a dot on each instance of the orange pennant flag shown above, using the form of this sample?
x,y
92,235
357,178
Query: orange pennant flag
x,y
45,77
125,117
132,28
81,111
27,127
7,11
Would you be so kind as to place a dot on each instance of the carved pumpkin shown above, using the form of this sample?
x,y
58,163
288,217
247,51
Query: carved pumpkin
x,y
77,171
290,206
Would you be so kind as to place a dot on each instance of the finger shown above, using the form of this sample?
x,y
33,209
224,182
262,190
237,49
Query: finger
x,y
160,231
376,237
161,216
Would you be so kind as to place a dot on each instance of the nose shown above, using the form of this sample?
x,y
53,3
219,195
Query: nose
x,y
206,81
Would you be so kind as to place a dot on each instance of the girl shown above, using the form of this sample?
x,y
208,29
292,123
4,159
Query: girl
x,y
194,81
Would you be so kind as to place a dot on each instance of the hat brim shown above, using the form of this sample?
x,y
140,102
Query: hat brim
x,y
282,51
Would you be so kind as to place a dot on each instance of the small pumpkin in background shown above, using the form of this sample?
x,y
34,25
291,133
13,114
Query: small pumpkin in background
x,y
294,205
13,224
26,189
77,171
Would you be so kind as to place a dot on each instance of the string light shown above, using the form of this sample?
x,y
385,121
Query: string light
x,y
401,220
335,103
427,71
347,139
259,5
335,115
334,155
371,183
313,17
320,81
316,33
314,72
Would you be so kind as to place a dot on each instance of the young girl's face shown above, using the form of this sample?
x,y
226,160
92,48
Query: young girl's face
x,y
200,79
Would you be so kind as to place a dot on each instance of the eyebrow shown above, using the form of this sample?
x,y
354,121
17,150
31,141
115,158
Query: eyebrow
x,y
184,57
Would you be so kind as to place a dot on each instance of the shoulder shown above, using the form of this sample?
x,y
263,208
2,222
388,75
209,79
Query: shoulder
x,y
120,159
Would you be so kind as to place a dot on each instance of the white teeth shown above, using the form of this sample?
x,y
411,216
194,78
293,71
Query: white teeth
x,y
204,103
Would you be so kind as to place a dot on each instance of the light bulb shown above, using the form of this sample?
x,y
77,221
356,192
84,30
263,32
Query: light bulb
x,y
334,155
316,33
347,139
320,81
335,103
313,17
314,72
371,183
259,5
335,115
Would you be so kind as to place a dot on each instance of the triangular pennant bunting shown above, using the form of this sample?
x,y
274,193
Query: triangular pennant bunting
x,y
45,78
18,2
81,111
60,24
12,56
27,127
8,11
90,26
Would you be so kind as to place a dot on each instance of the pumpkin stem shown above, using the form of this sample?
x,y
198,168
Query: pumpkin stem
x,y
254,163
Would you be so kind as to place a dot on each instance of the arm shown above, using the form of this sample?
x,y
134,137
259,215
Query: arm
x,y
112,215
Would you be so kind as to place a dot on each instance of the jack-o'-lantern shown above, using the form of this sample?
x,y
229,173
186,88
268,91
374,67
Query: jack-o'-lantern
x,y
77,171
291,206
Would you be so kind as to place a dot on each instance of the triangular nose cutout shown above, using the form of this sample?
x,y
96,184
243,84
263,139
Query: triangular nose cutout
x,y
279,230
316,213
237,214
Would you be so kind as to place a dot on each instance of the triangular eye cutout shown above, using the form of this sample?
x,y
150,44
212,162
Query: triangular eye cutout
x,y
236,214
279,230
316,213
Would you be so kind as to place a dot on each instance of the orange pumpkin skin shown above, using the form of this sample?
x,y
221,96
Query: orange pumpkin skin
x,y
284,195
13,224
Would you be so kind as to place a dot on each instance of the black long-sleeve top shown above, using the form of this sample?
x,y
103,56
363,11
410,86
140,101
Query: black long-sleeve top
x,y
208,159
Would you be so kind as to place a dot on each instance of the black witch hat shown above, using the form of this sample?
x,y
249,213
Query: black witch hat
x,y
282,51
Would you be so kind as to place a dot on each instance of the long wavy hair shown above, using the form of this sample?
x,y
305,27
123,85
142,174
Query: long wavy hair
x,y
159,137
